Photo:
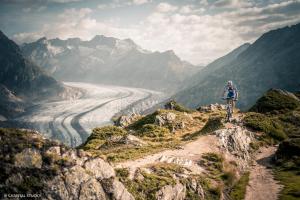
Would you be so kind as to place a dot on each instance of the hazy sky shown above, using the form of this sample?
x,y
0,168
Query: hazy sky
x,y
199,31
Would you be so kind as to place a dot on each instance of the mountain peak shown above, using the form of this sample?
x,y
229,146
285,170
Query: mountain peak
x,y
42,39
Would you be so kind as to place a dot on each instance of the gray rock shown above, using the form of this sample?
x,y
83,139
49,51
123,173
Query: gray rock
x,y
92,190
165,118
168,192
29,158
125,120
54,150
133,140
236,141
116,189
99,168
56,189
74,178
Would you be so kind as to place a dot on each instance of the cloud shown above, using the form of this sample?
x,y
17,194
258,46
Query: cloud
x,y
119,4
199,37
63,1
165,7
232,3
26,10
140,2
191,9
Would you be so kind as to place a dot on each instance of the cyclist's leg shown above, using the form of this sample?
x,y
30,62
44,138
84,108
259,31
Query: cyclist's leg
x,y
232,105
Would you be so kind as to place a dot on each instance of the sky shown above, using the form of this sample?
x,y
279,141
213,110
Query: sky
x,y
198,31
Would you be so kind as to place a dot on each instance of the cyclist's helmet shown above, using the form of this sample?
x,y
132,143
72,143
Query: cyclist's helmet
x,y
229,83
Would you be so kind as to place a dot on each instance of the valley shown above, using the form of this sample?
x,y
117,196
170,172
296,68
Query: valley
x,y
71,121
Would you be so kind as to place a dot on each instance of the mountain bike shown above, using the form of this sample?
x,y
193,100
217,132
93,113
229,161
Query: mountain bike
x,y
229,108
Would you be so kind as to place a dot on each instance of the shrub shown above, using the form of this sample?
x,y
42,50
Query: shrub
x,y
151,130
148,119
181,108
261,122
106,132
122,173
274,100
289,148
213,123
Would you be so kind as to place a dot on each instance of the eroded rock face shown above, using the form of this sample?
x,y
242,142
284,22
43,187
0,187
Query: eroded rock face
x,y
116,189
99,168
55,171
29,158
236,141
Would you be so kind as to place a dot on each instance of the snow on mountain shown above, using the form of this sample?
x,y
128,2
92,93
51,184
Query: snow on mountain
x,y
109,60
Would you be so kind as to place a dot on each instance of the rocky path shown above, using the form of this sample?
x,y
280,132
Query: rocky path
x,y
187,155
262,185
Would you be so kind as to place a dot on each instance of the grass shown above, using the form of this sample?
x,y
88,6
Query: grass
x,y
148,119
153,131
123,153
213,124
146,185
287,169
271,126
291,182
122,173
275,101
107,132
213,163
238,191
181,108
157,138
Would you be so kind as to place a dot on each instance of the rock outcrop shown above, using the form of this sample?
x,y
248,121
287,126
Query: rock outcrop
x,y
54,171
236,141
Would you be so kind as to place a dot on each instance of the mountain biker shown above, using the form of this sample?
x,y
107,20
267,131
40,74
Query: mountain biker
x,y
232,93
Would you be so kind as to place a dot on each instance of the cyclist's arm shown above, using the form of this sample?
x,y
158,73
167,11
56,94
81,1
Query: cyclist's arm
x,y
224,92
236,94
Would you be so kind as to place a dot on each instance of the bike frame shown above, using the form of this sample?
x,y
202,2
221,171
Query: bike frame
x,y
229,108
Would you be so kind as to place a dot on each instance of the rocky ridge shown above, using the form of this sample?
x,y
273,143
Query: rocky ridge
x,y
147,159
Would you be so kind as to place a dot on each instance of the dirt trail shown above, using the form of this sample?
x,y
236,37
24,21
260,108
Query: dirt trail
x,y
262,185
188,155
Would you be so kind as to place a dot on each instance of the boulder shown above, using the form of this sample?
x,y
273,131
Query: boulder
x,y
54,150
168,192
212,107
29,158
116,189
165,118
236,141
125,120
99,168
92,190
133,140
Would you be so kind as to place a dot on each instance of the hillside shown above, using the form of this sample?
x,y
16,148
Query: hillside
x,y
169,154
109,60
272,61
21,81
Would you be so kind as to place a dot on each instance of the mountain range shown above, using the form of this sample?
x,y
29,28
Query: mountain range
x,y
109,60
21,81
272,61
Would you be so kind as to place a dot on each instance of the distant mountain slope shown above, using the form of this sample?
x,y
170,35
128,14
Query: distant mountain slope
x,y
109,60
21,80
215,65
272,61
